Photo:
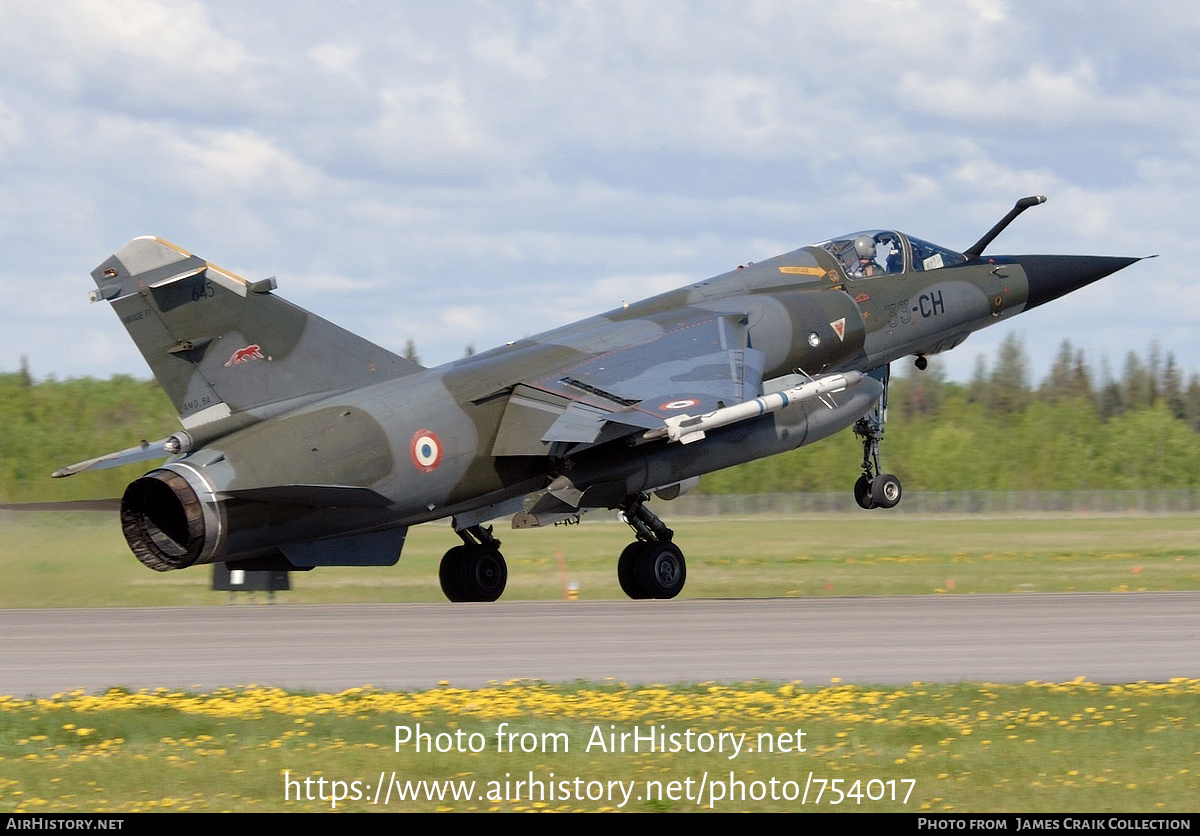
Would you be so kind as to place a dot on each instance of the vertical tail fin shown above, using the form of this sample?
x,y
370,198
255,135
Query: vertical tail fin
x,y
220,345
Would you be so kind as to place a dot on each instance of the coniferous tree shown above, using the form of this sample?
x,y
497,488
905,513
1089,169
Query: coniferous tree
x,y
1060,383
1110,399
1192,403
977,389
1081,378
1153,372
921,392
1136,388
1008,389
1172,388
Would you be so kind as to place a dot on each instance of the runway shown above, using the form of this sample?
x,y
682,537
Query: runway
x,y
1119,637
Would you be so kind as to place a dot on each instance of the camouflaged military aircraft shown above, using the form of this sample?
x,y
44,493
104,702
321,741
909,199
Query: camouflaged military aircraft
x,y
304,445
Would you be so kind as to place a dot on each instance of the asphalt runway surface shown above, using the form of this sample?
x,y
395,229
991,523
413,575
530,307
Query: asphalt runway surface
x,y
1118,637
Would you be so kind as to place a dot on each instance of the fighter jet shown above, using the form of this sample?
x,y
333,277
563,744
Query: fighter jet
x,y
304,445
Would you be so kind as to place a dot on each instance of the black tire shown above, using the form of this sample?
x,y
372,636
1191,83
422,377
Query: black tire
x,y
482,574
661,570
885,491
627,570
448,573
862,493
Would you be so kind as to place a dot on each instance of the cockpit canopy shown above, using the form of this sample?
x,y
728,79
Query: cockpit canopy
x,y
880,252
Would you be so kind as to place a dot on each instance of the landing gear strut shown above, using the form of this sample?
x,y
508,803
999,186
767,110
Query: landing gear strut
x,y
474,571
651,566
875,489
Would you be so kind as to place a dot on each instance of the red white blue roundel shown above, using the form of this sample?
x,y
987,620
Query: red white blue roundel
x,y
426,450
682,403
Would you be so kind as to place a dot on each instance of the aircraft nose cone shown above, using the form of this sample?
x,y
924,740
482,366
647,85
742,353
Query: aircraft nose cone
x,y
1051,276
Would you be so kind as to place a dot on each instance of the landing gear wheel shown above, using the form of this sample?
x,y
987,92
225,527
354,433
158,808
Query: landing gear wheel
x,y
473,573
862,493
627,571
876,489
885,490
661,570
650,567
448,573
481,574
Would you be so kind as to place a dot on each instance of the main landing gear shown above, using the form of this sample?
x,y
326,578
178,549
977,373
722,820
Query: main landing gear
x,y
474,571
651,566
875,489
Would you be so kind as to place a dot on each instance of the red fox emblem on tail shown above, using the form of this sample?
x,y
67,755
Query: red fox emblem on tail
x,y
244,355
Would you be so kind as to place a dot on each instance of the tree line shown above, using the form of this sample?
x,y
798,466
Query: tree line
x,y
1079,428
1145,381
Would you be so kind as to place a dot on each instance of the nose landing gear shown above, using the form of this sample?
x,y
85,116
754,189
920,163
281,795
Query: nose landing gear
x,y
875,489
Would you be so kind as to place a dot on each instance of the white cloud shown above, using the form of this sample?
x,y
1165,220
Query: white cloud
x,y
342,59
238,160
485,170
141,53
12,129
319,284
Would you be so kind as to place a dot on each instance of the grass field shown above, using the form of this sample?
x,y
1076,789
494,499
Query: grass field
x,y
1070,747
81,560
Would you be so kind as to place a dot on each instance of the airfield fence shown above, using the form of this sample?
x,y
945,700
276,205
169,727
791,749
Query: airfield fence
x,y
1149,502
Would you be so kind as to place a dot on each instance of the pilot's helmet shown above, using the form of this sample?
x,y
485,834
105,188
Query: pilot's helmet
x,y
864,245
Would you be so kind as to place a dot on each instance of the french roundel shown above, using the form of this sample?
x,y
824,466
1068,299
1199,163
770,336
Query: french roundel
x,y
683,403
426,450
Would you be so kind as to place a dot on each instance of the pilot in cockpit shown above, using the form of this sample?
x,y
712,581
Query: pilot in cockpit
x,y
864,248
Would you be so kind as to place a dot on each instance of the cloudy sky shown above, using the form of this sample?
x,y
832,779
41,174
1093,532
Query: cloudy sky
x,y
466,173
